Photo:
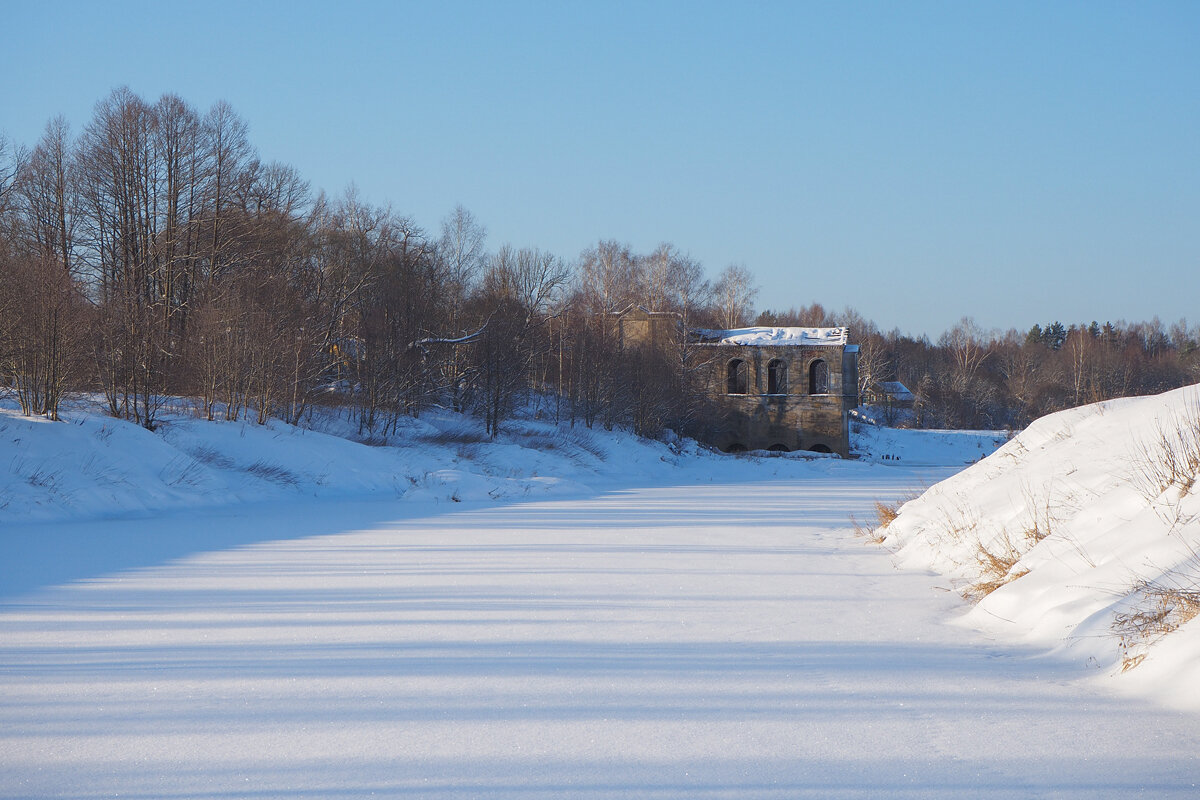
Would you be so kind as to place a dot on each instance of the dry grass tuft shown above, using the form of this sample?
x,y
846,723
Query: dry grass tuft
x,y
1163,606
885,514
585,441
273,473
207,455
996,568
1041,519
1171,457
460,435
872,533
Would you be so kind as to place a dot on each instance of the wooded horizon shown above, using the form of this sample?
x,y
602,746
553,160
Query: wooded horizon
x,y
155,254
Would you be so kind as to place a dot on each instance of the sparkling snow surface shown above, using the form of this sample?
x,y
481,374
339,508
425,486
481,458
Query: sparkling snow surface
x,y
701,628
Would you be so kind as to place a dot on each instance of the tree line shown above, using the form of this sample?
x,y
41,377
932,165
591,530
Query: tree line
x,y
977,379
156,255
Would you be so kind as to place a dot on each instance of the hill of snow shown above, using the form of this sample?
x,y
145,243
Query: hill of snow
x,y
1082,534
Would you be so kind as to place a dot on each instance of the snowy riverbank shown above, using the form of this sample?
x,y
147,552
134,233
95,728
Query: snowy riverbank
x,y
94,466
1081,535
67,488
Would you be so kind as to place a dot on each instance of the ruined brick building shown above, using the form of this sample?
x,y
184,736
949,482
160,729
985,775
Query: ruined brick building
x,y
771,388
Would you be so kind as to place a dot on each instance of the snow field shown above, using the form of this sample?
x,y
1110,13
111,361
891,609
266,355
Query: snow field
x,y
711,640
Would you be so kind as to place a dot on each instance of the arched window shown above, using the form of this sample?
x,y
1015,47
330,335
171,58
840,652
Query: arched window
x,y
736,379
777,377
818,377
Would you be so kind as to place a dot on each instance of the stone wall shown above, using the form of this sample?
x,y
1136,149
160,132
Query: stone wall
x,y
801,416
797,416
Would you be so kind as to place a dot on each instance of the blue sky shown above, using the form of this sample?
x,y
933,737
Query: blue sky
x,y
920,161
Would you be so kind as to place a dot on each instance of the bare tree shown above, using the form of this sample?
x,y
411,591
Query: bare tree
x,y
530,276
516,348
967,346
46,195
609,275
462,255
12,160
871,359
688,290
120,180
734,294
393,264
49,326
658,274
228,153
461,248
155,182
673,281
1024,370
46,309
502,360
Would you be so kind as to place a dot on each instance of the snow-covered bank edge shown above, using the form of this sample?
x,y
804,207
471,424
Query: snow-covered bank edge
x,y
93,495
1082,535
91,466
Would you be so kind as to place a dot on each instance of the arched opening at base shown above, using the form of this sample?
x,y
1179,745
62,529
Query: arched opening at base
x,y
780,448
819,448
736,447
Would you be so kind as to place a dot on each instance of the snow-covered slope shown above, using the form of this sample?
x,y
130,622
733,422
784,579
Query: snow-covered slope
x,y
93,466
1081,533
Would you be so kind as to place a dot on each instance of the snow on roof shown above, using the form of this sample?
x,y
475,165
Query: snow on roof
x,y
896,389
760,336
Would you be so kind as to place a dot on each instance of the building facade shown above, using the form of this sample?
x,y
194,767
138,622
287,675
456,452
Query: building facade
x,y
780,389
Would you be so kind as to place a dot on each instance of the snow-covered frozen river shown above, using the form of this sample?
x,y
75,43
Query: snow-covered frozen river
x,y
705,641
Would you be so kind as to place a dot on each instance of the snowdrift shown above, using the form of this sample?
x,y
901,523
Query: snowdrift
x,y
92,466
1082,534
